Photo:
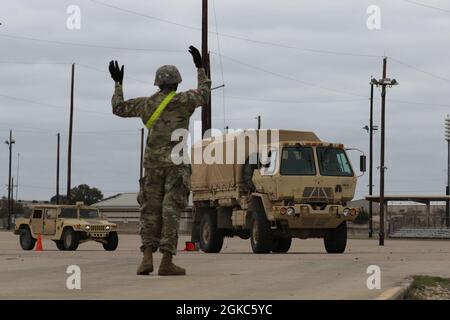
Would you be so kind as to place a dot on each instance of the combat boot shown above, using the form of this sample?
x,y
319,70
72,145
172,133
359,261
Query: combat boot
x,y
146,266
167,268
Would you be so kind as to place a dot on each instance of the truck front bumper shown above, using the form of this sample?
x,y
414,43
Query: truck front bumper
x,y
303,216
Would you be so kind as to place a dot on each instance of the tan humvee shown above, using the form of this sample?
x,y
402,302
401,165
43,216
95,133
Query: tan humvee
x,y
301,190
67,226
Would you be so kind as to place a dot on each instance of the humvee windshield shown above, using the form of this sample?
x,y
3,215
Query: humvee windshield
x,y
88,214
333,162
68,213
297,161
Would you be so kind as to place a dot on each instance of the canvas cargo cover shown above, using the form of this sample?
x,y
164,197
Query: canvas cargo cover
x,y
227,175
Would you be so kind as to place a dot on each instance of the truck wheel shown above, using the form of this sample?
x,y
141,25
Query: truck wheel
x,y
60,245
261,238
211,237
70,239
195,233
335,240
27,242
112,241
282,245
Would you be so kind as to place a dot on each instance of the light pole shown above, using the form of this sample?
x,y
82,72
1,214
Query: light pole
x,y
383,82
10,143
447,191
370,130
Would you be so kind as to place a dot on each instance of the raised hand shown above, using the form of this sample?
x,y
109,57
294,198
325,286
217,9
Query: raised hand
x,y
116,72
197,56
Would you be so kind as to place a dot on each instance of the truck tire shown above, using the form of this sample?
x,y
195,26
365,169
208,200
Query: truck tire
x,y
261,238
211,237
27,242
282,244
112,241
195,233
335,240
70,239
60,245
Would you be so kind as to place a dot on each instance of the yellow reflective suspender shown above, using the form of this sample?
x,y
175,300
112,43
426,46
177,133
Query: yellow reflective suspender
x,y
160,109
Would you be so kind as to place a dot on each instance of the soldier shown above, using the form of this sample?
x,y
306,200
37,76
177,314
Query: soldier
x,y
165,187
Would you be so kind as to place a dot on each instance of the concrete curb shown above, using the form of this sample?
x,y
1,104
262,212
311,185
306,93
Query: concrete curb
x,y
396,293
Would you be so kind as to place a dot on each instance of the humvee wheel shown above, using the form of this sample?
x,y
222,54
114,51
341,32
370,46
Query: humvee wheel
x,y
112,241
27,242
261,239
70,239
211,237
60,245
282,244
335,240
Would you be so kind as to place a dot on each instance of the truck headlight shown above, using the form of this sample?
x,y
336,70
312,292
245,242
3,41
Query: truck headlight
x,y
108,227
290,211
346,212
87,228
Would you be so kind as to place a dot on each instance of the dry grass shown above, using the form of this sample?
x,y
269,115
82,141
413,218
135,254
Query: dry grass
x,y
429,288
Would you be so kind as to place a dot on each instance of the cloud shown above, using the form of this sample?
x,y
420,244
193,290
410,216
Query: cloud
x,y
417,36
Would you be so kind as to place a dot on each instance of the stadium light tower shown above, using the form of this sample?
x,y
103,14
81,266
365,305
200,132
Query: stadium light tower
x,y
447,191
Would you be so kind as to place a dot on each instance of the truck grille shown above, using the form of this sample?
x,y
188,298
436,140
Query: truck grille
x,y
324,195
97,228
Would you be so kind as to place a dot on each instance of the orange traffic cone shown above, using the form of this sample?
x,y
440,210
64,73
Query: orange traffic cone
x,y
39,243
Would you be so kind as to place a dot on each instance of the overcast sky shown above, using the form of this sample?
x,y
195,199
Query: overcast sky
x,y
319,90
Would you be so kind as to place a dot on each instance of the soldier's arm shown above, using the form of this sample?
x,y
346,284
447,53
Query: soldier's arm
x,y
200,96
129,108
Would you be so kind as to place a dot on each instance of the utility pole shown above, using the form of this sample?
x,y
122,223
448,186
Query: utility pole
x,y
58,138
206,110
141,162
447,204
10,143
259,122
12,200
371,162
382,168
383,83
69,150
17,183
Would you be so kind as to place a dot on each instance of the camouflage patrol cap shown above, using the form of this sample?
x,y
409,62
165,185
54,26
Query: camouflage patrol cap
x,y
167,75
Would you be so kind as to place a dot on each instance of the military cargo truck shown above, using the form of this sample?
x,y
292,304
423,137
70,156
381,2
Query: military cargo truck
x,y
68,226
301,190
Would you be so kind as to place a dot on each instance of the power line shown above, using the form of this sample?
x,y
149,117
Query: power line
x,y
220,62
106,72
65,64
421,103
310,84
88,45
47,105
54,132
267,43
419,70
291,101
52,188
426,6
35,63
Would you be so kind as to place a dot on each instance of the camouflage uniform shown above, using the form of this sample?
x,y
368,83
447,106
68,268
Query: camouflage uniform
x,y
164,189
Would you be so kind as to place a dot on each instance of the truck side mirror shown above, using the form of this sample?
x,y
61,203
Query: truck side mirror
x,y
362,163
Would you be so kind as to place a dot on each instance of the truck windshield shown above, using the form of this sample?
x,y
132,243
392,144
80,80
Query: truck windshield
x,y
68,213
297,161
88,214
333,162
